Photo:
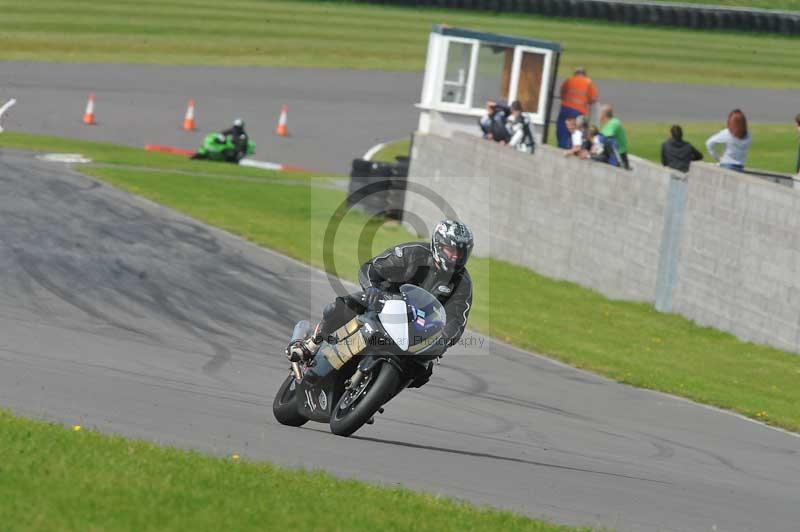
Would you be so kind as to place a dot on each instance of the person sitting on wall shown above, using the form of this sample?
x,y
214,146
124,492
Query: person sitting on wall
x,y
676,153
595,140
493,121
604,149
577,129
737,142
578,95
520,129
612,129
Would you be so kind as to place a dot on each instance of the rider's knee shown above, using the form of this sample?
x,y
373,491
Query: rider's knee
x,y
330,309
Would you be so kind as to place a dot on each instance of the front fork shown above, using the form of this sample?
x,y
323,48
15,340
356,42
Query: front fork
x,y
367,365
353,381
298,373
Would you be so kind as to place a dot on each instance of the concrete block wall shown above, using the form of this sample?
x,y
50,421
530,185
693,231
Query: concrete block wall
x,y
739,264
593,224
719,247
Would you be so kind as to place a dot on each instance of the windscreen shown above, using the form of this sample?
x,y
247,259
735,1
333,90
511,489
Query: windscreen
x,y
426,317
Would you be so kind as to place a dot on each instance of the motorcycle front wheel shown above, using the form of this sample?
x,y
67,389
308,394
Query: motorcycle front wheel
x,y
359,404
285,407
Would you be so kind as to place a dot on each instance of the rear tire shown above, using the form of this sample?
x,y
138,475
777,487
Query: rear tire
x,y
346,420
285,407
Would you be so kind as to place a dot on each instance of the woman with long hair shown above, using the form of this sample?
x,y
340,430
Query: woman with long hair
x,y
737,142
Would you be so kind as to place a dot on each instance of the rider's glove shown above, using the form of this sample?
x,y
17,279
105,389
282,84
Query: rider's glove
x,y
372,296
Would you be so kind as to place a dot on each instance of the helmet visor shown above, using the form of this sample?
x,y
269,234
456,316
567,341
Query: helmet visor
x,y
453,254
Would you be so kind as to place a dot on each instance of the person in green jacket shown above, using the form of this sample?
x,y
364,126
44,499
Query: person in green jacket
x,y
612,128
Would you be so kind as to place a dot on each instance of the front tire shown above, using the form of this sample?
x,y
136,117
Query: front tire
x,y
285,407
349,415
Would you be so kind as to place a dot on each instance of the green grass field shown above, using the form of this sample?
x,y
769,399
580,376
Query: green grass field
x,y
629,342
392,150
774,145
348,35
55,478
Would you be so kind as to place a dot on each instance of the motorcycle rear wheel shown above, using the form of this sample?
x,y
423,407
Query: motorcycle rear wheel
x,y
348,416
285,407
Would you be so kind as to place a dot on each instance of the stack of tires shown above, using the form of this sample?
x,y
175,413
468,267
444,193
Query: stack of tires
x,y
632,12
378,188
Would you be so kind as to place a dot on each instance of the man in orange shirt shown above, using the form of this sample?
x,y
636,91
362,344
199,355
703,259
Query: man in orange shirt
x,y
578,94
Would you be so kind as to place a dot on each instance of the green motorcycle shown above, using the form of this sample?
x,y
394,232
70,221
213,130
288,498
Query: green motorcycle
x,y
219,147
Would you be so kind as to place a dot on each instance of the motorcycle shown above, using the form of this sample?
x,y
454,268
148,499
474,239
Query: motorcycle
x,y
219,147
365,363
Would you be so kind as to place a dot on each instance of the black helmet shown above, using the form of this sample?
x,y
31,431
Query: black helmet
x,y
451,245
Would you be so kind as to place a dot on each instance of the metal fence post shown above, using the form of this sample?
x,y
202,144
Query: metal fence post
x,y
671,241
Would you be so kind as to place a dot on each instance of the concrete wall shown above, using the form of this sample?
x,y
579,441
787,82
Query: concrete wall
x,y
718,247
739,265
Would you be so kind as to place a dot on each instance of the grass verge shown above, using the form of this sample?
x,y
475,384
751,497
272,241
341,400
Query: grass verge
x,y
352,35
629,342
56,478
126,156
393,149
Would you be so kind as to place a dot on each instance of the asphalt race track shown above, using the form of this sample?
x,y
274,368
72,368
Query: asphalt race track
x,y
334,115
121,315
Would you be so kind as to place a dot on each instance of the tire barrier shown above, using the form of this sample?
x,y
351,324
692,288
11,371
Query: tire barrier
x,y
631,12
386,183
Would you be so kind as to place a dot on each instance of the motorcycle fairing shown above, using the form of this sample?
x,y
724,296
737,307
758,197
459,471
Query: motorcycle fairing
x,y
349,342
321,378
422,345
323,375
394,319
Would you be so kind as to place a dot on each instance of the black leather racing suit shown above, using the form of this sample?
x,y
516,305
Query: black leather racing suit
x,y
240,140
410,263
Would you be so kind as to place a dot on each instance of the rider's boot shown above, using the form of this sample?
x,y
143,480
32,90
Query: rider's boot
x,y
423,378
304,350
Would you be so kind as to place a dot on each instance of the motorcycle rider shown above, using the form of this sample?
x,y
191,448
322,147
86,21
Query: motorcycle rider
x,y
240,140
437,266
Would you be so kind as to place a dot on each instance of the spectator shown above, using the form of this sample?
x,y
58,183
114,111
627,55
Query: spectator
x,y
677,154
737,142
612,129
578,94
797,123
595,141
519,128
577,129
493,121
604,150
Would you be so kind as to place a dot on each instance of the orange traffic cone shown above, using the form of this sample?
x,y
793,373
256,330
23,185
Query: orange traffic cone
x,y
188,120
281,129
88,116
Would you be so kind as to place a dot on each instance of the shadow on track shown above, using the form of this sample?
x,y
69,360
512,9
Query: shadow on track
x,y
475,454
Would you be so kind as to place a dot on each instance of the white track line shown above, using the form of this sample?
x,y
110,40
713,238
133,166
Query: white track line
x,y
373,150
264,165
8,105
